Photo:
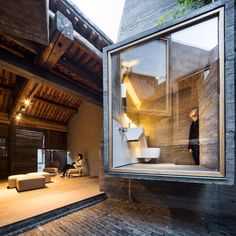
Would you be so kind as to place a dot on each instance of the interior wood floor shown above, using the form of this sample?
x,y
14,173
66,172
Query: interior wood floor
x,y
16,206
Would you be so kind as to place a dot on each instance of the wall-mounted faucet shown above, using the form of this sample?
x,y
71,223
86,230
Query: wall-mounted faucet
x,y
123,130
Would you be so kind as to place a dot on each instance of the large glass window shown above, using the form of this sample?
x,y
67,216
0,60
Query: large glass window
x,y
166,102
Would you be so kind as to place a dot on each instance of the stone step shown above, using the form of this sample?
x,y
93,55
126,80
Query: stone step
x,y
32,222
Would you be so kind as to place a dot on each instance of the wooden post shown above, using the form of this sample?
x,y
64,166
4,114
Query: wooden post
x,y
12,146
61,38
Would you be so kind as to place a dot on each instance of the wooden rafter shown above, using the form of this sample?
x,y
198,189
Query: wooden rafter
x,y
81,24
93,80
12,50
30,71
28,45
83,43
50,102
43,124
62,37
6,87
35,122
28,88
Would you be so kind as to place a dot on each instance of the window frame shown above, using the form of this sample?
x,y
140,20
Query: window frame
x,y
127,173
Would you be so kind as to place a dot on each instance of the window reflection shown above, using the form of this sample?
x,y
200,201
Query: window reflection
x,y
144,78
165,103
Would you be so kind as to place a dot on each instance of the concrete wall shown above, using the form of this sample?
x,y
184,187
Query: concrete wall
x,y
84,136
141,15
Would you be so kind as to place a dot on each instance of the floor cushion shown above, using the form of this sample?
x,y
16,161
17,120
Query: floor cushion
x,y
29,182
45,174
12,180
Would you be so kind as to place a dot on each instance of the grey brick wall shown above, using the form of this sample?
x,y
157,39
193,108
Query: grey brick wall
x,y
142,15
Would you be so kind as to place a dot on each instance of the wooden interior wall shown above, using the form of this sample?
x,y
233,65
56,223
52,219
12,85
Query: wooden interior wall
x,y
25,153
23,143
55,140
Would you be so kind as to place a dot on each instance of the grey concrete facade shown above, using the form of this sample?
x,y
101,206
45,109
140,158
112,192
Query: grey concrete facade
x,y
139,18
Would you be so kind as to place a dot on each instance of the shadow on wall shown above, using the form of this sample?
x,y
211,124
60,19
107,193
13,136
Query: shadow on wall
x,y
86,169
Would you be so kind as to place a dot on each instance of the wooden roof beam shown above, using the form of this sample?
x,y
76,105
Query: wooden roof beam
x,y
26,91
30,71
42,124
36,123
12,50
83,43
89,78
77,17
29,45
50,102
6,87
62,37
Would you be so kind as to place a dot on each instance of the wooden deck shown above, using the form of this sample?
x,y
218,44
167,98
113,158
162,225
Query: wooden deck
x,y
16,206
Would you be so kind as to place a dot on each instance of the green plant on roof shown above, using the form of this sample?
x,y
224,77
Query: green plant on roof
x,y
184,6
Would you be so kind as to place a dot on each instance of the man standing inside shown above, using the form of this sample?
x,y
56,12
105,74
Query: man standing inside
x,y
193,144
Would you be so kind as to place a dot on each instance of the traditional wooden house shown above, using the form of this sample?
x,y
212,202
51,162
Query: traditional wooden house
x,y
50,68
56,88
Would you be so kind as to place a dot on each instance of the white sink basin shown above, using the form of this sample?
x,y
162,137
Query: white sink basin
x,y
134,134
149,153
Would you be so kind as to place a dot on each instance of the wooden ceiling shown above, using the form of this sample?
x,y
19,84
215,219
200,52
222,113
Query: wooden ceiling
x,y
57,77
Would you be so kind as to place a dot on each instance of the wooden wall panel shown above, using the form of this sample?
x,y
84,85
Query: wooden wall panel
x,y
25,153
4,130
25,160
55,140
3,167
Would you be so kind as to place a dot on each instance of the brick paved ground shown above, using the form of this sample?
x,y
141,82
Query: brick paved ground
x,y
113,217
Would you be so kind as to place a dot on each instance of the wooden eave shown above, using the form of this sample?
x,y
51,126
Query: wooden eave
x,y
57,77
81,23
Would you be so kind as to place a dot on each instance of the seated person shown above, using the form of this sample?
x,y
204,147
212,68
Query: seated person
x,y
73,165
